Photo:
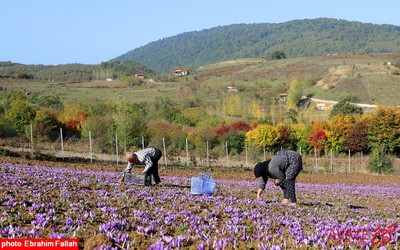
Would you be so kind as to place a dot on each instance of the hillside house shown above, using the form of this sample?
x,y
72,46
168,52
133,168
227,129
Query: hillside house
x,y
231,87
321,106
282,97
139,75
180,72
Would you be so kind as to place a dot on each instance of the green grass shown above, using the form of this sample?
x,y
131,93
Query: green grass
x,y
68,93
365,76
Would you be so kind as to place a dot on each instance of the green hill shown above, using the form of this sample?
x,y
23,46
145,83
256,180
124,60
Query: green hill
x,y
71,73
296,38
373,78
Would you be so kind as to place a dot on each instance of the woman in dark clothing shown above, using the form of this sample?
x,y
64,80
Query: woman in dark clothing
x,y
283,168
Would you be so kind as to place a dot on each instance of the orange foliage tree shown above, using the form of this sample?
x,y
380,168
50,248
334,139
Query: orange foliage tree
x,y
338,128
72,118
318,140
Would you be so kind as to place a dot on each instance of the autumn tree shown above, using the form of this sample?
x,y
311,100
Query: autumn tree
x,y
283,132
318,140
233,134
263,135
233,106
256,109
159,129
337,130
203,136
356,139
384,129
72,117
318,135
177,137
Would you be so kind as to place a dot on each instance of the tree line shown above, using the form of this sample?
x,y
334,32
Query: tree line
x,y
346,130
72,73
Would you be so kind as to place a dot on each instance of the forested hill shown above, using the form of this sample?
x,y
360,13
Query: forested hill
x,y
72,72
307,37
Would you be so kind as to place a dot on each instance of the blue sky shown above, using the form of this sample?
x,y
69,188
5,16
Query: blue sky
x,y
52,32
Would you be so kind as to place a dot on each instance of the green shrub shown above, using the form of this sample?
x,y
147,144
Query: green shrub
x,y
380,162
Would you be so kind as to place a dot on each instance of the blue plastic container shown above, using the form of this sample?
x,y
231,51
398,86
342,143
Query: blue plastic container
x,y
203,184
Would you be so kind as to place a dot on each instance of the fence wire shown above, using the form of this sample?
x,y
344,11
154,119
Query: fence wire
x,y
76,148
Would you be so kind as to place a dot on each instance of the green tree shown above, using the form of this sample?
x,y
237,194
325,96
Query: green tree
x,y
277,55
236,142
346,106
300,137
46,101
380,163
294,93
130,124
292,114
46,125
21,114
165,108
102,132
6,129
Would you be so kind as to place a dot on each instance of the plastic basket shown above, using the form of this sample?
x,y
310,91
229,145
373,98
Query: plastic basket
x,y
137,179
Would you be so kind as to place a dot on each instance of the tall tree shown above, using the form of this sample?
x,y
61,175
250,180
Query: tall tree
x,y
384,129
46,125
357,137
21,114
263,135
294,94
338,128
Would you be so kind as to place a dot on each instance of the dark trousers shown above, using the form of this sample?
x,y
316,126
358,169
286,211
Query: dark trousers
x,y
154,168
288,186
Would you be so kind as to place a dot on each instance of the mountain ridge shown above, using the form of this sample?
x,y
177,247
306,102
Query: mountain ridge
x,y
306,37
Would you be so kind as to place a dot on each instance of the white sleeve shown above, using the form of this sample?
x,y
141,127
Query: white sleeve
x,y
128,167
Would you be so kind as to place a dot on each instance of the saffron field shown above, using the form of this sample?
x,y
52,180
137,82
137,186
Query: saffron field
x,y
85,201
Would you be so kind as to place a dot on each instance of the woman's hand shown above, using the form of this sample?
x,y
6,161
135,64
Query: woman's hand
x,y
259,193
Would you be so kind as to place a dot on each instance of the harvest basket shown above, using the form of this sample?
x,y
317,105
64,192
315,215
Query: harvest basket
x,y
137,179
